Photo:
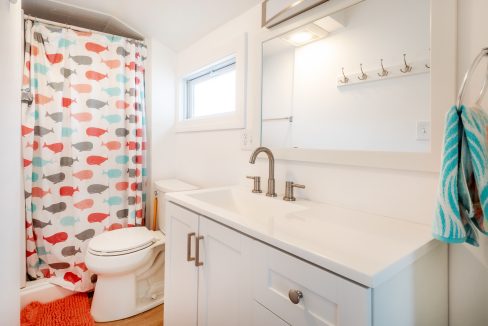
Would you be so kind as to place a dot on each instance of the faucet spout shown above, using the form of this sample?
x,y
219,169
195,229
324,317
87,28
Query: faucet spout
x,y
271,181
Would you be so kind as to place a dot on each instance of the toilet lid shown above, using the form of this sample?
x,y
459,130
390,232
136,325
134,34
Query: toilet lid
x,y
122,240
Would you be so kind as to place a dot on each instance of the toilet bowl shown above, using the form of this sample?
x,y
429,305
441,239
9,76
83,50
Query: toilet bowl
x,y
129,264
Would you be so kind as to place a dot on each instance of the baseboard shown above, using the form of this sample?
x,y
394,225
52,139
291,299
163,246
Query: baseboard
x,y
42,291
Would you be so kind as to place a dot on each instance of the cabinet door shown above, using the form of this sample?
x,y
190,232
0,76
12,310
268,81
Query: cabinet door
x,y
224,296
181,275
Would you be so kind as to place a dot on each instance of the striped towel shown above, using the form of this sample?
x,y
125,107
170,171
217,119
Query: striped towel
x,y
462,203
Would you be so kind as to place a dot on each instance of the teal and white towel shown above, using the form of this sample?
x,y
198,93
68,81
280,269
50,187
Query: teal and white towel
x,y
462,204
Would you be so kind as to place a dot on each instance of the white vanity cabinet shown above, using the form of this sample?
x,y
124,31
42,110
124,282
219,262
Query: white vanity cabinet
x,y
206,272
222,275
242,281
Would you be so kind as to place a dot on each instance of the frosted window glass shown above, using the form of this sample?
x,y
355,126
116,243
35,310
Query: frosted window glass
x,y
215,95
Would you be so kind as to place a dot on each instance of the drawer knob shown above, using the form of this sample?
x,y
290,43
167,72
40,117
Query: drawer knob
x,y
295,296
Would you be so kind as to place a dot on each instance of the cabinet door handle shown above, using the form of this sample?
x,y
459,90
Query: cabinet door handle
x,y
188,246
197,260
295,296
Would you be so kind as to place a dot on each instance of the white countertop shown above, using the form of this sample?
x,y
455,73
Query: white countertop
x,y
365,248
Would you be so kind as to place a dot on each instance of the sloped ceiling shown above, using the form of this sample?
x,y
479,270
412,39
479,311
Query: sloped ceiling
x,y
175,23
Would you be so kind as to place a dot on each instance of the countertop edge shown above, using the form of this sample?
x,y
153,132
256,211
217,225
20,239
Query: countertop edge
x,y
347,272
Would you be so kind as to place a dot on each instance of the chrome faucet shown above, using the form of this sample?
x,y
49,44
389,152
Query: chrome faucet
x,y
271,181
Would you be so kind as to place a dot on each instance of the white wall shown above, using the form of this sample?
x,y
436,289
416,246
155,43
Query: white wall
x,y
215,159
10,187
468,266
209,158
160,100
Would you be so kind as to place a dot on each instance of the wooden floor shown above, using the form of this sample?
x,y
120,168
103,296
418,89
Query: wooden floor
x,y
153,317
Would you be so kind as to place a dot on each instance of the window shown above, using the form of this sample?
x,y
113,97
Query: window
x,y
211,91
211,86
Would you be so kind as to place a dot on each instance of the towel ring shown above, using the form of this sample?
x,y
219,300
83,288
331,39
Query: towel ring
x,y
483,89
469,74
407,67
344,79
363,76
383,72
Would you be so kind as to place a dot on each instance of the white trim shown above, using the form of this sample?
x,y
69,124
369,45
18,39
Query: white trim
x,y
190,65
443,91
42,291
22,245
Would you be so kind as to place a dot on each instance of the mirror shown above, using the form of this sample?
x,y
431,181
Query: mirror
x,y
355,80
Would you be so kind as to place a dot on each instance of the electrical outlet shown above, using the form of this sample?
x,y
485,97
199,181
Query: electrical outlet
x,y
423,130
246,140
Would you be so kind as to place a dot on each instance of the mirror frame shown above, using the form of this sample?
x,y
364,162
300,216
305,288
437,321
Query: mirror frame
x,y
443,27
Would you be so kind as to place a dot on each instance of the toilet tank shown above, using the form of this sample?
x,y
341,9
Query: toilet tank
x,y
163,187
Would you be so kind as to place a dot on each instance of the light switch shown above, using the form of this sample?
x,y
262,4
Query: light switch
x,y
423,130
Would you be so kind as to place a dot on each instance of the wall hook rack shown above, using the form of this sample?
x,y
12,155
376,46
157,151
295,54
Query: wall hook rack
x,y
383,72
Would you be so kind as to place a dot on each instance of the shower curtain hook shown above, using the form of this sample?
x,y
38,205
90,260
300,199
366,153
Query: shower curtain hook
x,y
344,79
407,67
384,72
363,76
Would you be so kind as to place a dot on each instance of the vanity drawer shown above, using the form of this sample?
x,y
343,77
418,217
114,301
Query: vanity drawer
x,y
327,298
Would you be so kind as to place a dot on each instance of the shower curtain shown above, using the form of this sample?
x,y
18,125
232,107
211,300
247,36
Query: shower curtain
x,y
83,136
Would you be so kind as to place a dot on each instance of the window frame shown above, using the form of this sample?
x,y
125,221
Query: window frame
x,y
190,66
212,71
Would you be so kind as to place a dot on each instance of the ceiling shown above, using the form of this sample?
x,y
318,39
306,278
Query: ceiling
x,y
175,23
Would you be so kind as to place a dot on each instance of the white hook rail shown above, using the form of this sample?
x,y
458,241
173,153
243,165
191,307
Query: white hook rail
x,y
379,73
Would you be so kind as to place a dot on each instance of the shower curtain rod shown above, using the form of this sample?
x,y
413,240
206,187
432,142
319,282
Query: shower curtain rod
x,y
76,28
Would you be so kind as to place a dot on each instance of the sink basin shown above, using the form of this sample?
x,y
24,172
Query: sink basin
x,y
245,205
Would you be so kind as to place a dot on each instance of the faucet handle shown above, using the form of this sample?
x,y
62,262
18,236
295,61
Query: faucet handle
x,y
289,190
257,184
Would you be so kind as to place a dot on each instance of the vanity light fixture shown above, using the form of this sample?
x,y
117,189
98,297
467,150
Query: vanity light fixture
x,y
305,35
301,37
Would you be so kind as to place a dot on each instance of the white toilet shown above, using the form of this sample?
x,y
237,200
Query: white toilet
x,y
129,264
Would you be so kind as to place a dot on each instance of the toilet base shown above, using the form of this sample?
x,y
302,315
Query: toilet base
x,y
122,296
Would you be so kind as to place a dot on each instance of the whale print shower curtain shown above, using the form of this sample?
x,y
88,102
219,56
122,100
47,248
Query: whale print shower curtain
x,y
83,139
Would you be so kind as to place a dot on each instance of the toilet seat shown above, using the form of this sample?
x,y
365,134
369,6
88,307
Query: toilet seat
x,y
123,241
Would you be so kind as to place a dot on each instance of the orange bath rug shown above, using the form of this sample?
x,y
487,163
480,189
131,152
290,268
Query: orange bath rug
x,y
69,311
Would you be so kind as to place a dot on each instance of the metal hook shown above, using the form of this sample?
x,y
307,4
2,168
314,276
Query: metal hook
x,y
407,67
384,72
344,79
363,75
